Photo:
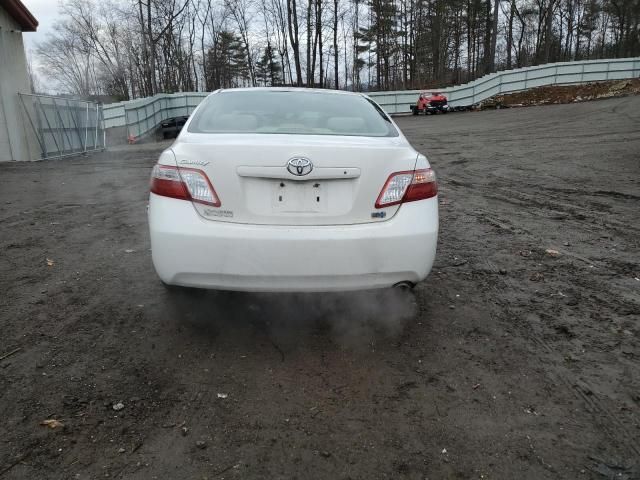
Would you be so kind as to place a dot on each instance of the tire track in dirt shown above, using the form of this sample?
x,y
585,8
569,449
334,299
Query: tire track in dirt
x,y
490,201
579,388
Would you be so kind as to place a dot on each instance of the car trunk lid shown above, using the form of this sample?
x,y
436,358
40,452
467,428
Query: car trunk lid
x,y
265,179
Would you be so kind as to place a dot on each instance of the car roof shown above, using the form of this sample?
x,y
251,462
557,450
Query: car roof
x,y
290,89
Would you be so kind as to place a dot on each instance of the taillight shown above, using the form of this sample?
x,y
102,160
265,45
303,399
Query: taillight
x,y
403,187
184,184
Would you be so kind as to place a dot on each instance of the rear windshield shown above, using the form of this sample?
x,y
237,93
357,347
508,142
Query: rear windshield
x,y
291,112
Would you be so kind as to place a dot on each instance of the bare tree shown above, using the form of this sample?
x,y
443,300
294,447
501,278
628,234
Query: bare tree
x,y
336,59
240,11
294,38
133,48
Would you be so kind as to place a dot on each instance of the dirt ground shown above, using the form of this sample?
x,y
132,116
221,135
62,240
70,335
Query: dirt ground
x,y
512,363
554,94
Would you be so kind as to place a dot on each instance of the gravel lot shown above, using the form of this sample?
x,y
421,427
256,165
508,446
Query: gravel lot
x,y
511,363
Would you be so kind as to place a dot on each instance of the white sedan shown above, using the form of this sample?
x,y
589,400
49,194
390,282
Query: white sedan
x,y
285,189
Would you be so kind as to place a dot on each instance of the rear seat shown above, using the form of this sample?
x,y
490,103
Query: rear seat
x,y
232,122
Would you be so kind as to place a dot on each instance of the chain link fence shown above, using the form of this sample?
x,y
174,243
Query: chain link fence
x,y
64,126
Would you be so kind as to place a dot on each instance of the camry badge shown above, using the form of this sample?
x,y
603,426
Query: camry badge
x,y
299,166
201,163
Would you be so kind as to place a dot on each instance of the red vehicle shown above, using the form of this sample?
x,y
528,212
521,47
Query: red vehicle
x,y
430,102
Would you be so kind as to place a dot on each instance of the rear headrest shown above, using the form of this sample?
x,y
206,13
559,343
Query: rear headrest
x,y
346,125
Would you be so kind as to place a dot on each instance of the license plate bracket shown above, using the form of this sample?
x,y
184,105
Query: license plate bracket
x,y
299,197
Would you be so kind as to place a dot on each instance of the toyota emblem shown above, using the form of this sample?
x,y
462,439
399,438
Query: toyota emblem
x,y
299,166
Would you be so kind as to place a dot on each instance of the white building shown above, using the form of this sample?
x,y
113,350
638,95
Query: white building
x,y
17,140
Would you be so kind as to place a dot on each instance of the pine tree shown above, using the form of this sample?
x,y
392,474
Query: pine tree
x,y
227,62
268,69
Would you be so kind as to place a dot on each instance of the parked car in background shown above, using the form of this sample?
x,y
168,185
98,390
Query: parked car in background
x,y
285,189
171,127
429,103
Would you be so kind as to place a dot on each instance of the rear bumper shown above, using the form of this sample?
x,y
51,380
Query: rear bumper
x,y
190,251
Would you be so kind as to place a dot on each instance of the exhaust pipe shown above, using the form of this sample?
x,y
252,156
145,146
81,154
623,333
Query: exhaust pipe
x,y
405,286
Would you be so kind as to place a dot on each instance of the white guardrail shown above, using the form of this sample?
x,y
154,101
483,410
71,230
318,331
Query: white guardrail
x,y
144,115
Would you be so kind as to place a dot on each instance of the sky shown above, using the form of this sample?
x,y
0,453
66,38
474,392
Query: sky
x,y
46,12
